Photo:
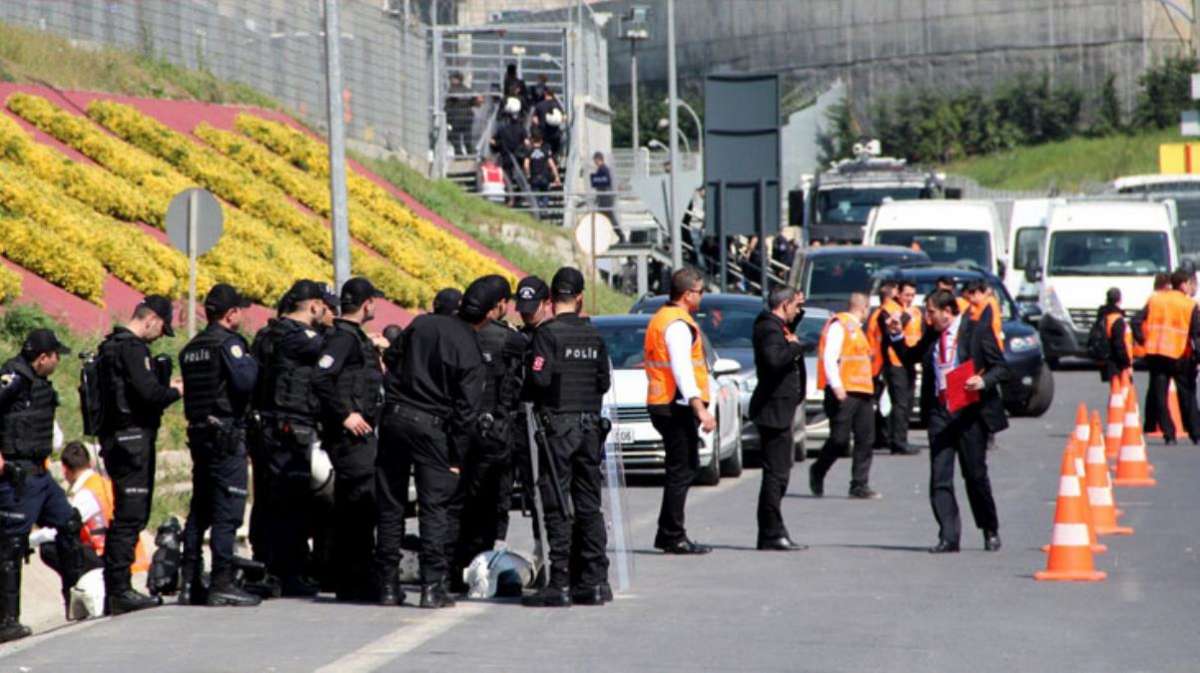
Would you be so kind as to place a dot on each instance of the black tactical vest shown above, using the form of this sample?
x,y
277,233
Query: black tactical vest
x,y
577,367
118,409
291,379
205,383
27,429
263,349
361,380
492,338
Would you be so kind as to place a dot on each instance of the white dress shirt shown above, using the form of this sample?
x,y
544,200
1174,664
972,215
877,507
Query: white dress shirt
x,y
834,336
679,351
944,362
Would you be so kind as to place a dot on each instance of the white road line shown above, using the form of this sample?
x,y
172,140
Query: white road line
x,y
414,633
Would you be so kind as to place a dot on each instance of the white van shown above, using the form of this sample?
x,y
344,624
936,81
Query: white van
x,y
950,232
1026,238
1090,247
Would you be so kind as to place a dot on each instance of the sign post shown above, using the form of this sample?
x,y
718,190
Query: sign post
x,y
195,223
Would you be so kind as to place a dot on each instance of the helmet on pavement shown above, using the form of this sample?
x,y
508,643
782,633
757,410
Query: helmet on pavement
x,y
500,573
321,480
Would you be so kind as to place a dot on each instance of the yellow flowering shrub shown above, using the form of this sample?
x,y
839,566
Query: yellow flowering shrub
x,y
260,261
33,247
10,285
125,250
311,156
96,187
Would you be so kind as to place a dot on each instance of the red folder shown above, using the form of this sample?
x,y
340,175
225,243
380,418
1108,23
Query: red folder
x,y
957,395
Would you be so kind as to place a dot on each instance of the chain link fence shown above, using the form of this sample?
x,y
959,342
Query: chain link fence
x,y
274,46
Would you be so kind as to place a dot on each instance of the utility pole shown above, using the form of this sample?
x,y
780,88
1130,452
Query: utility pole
x,y
337,146
633,83
673,97
636,29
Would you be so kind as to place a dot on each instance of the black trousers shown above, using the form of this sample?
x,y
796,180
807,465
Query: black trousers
x,y
40,500
353,461
439,498
1158,415
577,544
681,439
778,457
289,501
129,457
900,381
965,437
392,475
218,498
854,415
487,479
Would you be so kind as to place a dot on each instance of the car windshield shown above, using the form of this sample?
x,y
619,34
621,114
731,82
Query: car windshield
x,y
946,247
1108,253
852,205
728,325
834,277
625,342
809,329
1028,246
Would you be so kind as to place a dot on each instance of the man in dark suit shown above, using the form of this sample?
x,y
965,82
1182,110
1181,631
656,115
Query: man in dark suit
x,y
779,366
952,340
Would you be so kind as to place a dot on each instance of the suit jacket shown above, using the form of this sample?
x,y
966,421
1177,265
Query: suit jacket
x,y
782,379
976,342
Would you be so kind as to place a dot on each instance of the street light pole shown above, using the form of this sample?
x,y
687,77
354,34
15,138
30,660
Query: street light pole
x,y
337,146
673,97
696,119
633,83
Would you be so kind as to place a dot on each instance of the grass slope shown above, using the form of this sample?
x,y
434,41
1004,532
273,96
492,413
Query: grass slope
x,y
1068,165
33,57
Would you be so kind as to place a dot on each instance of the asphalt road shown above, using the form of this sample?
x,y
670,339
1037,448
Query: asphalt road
x,y
865,597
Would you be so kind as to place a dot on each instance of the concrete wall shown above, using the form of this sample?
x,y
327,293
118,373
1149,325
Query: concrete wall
x,y
881,46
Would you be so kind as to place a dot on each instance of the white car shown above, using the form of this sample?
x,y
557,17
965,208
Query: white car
x,y
641,445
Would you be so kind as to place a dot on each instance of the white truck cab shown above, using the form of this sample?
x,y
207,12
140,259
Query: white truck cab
x,y
1090,247
950,232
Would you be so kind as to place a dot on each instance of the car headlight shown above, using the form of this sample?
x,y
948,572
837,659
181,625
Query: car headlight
x,y
1054,308
748,384
1022,344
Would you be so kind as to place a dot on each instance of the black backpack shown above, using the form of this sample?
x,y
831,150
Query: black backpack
x,y
1098,347
91,397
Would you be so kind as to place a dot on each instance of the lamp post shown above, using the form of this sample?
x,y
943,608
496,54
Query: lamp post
x,y
673,116
635,29
663,124
695,119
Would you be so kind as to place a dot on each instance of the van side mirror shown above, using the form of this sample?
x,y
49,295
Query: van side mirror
x,y
1033,273
1002,268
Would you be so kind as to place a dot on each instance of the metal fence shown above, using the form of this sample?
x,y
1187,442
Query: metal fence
x,y
274,46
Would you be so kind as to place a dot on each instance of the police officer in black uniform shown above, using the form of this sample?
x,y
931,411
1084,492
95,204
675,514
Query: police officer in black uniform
x,y
349,384
28,493
219,375
136,393
434,385
288,409
571,370
487,473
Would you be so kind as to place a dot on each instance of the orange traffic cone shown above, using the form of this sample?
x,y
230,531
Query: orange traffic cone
x,y
1133,468
1076,450
1099,488
1070,556
1082,430
1173,409
1116,417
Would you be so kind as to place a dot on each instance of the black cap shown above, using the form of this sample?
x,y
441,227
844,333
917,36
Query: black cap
x,y
567,282
329,297
481,296
357,291
223,297
162,308
531,292
447,300
43,341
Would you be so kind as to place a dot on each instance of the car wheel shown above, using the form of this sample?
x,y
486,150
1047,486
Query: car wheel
x,y
801,450
1043,394
732,466
710,474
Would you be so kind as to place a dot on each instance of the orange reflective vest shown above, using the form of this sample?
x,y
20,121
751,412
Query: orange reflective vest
x,y
95,528
661,388
976,312
1109,321
876,335
854,362
1168,318
964,306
